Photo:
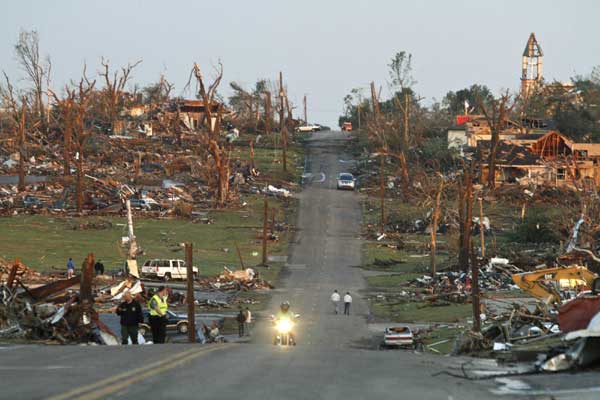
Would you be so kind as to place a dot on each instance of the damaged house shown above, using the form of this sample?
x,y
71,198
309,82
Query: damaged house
x,y
193,112
552,159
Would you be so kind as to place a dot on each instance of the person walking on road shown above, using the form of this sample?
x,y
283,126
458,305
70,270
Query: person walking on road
x,y
247,321
241,319
70,268
347,303
335,299
158,315
131,315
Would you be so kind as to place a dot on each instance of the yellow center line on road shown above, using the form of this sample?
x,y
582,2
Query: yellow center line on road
x,y
120,381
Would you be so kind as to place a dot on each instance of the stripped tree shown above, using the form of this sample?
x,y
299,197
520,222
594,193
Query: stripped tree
x,y
210,134
496,113
17,106
75,109
114,86
27,50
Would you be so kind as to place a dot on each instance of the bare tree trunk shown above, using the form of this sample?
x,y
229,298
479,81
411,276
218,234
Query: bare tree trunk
x,y
466,206
68,134
79,184
406,115
434,225
252,164
405,177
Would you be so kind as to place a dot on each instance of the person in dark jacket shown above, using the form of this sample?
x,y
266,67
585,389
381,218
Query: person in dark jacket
x,y
131,315
99,268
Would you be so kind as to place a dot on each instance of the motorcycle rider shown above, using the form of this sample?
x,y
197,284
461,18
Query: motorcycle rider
x,y
285,312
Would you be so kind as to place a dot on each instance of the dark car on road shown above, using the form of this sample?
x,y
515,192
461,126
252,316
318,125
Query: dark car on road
x,y
175,321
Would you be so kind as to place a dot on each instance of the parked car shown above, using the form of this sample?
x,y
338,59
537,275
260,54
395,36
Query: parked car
x,y
175,321
95,204
398,336
347,126
166,269
346,181
309,128
146,204
30,201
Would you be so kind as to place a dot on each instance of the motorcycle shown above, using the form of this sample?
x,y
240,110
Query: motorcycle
x,y
284,330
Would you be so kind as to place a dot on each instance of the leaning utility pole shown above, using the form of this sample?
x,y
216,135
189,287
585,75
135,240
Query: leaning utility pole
x,y
132,266
305,115
282,124
189,264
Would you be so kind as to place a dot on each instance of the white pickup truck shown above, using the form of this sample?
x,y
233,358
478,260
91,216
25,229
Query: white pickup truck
x,y
309,128
166,269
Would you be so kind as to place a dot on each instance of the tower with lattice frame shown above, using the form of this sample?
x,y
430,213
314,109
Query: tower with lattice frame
x,y
532,61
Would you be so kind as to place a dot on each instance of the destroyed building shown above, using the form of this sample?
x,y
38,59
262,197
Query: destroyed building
x,y
551,159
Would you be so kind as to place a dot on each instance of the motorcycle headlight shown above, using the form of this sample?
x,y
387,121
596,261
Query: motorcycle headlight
x,y
284,325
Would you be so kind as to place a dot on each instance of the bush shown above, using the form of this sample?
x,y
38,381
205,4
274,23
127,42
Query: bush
x,y
535,229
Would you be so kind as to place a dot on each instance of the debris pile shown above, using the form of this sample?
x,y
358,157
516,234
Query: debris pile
x,y
52,312
240,280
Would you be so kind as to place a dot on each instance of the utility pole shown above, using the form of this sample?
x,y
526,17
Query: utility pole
x,y
272,221
305,114
382,188
282,124
189,264
481,228
475,293
268,113
22,143
264,233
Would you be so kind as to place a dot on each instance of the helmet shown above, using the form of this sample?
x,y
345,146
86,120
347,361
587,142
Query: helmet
x,y
285,306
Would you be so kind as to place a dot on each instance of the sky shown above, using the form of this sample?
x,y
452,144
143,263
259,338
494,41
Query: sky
x,y
324,47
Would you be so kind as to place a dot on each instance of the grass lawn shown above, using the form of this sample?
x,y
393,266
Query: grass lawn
x,y
42,242
268,159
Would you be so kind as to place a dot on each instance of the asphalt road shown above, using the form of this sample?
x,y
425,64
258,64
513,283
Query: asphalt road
x,y
330,361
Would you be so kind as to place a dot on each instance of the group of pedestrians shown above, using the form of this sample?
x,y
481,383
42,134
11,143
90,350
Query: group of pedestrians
x,y
244,319
98,267
336,298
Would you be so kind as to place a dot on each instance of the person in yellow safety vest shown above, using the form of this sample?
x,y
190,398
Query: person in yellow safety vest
x,y
158,310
